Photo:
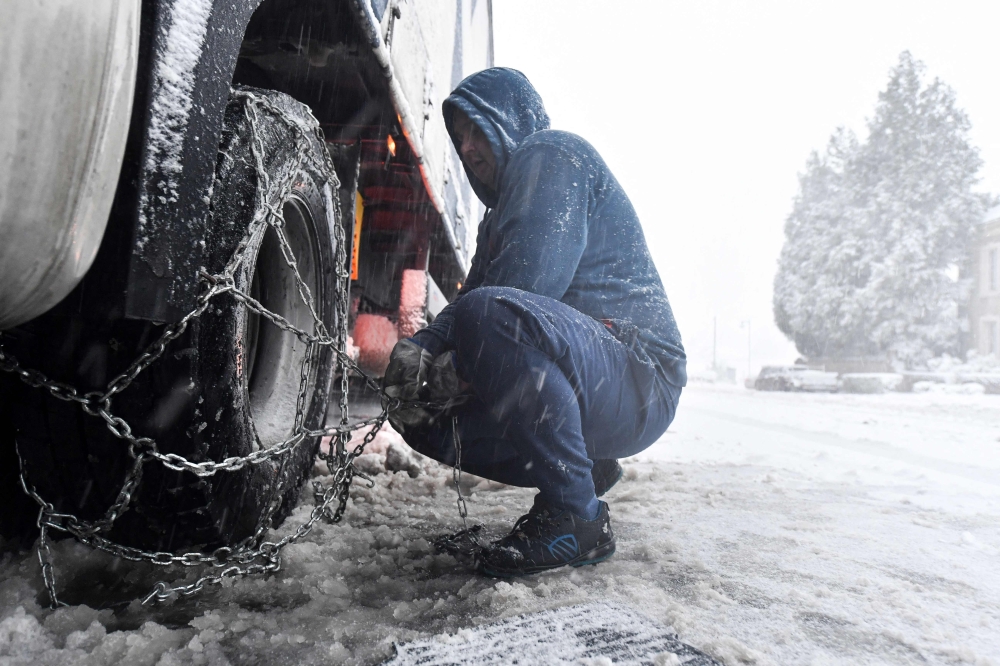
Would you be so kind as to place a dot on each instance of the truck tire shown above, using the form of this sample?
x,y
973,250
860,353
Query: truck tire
x,y
228,386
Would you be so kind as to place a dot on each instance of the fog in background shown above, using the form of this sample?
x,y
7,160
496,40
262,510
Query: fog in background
x,y
707,111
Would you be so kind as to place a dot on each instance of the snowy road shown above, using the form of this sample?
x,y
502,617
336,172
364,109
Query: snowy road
x,y
950,438
845,529
764,528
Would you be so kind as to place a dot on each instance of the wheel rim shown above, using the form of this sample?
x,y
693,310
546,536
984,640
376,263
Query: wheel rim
x,y
274,357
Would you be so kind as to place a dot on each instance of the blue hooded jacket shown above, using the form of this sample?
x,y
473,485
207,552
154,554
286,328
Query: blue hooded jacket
x,y
558,224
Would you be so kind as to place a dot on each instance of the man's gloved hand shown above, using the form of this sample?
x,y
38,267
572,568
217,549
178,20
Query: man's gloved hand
x,y
404,379
443,383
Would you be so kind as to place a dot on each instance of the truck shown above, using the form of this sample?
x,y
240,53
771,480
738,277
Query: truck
x,y
205,205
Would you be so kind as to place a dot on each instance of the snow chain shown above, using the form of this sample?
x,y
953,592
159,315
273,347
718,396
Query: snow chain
x,y
466,542
255,555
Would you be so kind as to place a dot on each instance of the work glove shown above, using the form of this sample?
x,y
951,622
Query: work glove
x,y
444,386
404,379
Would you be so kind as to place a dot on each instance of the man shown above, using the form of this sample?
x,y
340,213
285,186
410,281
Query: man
x,y
561,337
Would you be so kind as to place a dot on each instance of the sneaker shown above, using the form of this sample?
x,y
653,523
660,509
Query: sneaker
x,y
606,473
546,538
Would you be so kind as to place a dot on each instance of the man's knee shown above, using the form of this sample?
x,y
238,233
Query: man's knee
x,y
481,302
477,311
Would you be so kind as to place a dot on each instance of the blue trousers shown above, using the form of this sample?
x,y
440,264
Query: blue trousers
x,y
553,389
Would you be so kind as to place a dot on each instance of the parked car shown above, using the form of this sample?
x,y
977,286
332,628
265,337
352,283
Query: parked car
x,y
795,378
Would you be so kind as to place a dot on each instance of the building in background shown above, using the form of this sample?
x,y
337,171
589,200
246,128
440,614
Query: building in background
x,y
984,310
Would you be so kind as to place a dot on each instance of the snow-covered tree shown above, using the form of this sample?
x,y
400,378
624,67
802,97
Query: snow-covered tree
x,y
877,244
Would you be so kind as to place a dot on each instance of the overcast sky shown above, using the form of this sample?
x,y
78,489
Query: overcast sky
x,y
706,111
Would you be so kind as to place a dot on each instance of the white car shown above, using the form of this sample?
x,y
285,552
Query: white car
x,y
795,378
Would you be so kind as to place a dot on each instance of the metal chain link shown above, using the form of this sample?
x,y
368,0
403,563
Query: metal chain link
x,y
466,542
253,556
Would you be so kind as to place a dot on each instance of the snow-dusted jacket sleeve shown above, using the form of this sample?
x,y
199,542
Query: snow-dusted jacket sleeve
x,y
533,240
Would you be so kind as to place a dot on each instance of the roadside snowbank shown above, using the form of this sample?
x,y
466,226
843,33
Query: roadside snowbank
x,y
767,529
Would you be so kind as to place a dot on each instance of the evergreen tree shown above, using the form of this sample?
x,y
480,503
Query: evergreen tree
x,y
877,244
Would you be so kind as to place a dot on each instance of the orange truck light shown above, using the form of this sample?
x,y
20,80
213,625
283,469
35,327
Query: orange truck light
x,y
359,213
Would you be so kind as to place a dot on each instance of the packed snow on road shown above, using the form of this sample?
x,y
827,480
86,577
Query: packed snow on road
x,y
764,528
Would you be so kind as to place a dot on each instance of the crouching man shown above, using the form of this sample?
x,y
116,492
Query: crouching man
x,y
561,339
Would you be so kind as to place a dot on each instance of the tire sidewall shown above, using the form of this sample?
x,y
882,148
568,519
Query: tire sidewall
x,y
270,487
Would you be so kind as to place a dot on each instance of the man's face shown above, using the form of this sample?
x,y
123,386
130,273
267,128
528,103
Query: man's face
x,y
474,148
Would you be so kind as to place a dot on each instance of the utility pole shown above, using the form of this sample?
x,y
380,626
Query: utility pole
x,y
714,338
747,322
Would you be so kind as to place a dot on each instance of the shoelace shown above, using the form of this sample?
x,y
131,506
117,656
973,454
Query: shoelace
x,y
533,518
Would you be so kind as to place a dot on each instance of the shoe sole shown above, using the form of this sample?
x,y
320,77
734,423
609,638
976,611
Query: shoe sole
x,y
595,556
621,473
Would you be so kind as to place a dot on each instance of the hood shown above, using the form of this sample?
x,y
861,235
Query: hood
x,y
506,107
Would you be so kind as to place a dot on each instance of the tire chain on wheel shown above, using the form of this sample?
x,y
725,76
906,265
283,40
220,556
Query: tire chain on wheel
x,y
252,556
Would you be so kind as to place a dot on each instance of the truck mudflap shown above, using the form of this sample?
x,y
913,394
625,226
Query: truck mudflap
x,y
195,44
66,90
